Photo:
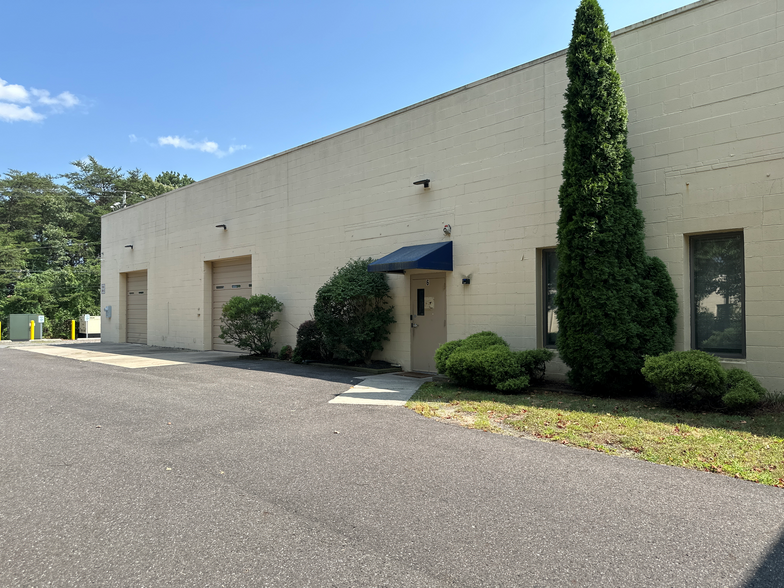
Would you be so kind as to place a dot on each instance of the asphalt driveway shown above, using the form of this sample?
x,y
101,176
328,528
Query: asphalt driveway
x,y
241,473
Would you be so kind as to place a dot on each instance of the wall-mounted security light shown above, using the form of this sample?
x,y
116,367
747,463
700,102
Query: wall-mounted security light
x,y
131,246
447,229
425,183
466,281
220,227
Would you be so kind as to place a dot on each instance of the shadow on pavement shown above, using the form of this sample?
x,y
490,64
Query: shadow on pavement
x,y
770,573
292,369
131,355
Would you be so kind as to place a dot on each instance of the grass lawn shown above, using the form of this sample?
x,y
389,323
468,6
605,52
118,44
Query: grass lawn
x,y
747,447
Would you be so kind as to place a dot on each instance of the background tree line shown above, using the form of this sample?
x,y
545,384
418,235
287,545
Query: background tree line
x,y
50,237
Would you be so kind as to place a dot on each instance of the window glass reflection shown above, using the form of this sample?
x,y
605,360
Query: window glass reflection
x,y
718,293
549,279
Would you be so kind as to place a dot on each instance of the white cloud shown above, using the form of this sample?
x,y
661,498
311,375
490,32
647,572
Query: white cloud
x,y
133,138
13,112
234,148
13,92
205,146
182,143
62,100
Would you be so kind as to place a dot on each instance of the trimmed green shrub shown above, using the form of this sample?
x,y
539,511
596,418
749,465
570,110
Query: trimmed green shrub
x,y
476,341
483,339
688,379
310,342
534,363
740,399
615,304
248,323
285,353
353,313
444,352
484,360
482,368
515,385
745,392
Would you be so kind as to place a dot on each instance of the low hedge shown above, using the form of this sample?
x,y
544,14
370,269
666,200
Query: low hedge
x,y
479,340
744,391
483,368
687,379
696,380
484,360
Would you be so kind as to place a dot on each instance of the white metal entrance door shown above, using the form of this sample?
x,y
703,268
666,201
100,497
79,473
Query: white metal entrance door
x,y
428,321
230,277
136,308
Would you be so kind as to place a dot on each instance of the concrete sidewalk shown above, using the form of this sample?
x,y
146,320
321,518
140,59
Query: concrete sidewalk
x,y
385,390
126,355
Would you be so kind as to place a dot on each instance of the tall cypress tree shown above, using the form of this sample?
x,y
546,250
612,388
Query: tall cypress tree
x,y
615,303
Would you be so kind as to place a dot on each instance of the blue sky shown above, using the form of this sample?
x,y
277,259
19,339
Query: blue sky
x,y
202,87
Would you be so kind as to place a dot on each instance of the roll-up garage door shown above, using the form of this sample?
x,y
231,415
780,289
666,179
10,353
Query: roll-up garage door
x,y
136,308
230,277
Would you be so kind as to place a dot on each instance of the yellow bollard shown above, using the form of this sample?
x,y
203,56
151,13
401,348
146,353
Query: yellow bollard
x,y
32,330
73,330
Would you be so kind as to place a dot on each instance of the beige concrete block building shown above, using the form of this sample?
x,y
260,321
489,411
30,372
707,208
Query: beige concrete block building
x,y
705,92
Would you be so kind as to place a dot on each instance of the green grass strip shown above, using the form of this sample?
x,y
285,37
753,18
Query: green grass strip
x,y
746,447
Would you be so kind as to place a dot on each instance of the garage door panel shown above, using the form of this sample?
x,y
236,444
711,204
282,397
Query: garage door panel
x,y
136,308
235,274
230,278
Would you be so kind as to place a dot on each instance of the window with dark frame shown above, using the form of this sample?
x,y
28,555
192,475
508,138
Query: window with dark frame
x,y
549,277
718,317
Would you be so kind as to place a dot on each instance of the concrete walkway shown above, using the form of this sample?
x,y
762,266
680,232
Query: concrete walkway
x,y
125,355
384,390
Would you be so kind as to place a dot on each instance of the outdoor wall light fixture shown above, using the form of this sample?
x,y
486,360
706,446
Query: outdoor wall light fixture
x,y
131,246
425,183
466,281
220,227
447,229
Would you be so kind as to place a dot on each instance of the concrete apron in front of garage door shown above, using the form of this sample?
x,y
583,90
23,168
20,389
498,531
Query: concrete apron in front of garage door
x,y
128,355
385,390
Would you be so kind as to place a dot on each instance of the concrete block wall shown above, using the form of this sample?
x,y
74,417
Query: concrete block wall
x,y
705,90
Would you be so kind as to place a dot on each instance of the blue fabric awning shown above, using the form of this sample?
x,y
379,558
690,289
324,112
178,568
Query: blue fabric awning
x,y
433,256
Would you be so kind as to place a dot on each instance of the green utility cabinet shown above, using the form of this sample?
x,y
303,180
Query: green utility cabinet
x,y
19,326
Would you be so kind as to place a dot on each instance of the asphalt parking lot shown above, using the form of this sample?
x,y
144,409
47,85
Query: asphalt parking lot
x,y
242,473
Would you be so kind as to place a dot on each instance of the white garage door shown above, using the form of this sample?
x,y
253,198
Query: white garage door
x,y
230,277
136,308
